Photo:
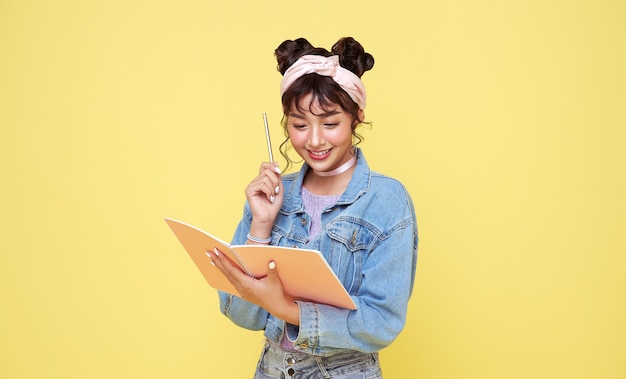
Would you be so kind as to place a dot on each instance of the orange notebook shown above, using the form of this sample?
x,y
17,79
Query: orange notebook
x,y
304,273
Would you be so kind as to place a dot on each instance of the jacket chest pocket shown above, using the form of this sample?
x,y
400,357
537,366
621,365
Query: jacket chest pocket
x,y
350,243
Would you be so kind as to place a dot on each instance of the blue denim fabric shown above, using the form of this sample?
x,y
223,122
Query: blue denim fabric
x,y
277,363
369,239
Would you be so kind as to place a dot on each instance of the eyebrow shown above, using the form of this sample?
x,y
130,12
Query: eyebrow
x,y
326,114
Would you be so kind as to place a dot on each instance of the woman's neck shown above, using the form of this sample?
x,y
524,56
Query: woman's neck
x,y
327,185
339,170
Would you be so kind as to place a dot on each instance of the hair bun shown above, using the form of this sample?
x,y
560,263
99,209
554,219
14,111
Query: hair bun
x,y
352,56
288,52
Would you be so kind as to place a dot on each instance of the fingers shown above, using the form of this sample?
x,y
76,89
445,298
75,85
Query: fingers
x,y
263,187
232,271
266,292
271,171
272,276
274,282
273,166
210,258
228,268
267,184
270,175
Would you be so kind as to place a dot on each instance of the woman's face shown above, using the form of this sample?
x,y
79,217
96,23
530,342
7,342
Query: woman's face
x,y
323,138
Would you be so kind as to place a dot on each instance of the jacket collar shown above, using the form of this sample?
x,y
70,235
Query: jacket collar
x,y
359,184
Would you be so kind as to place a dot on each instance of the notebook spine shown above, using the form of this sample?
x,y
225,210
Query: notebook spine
x,y
242,264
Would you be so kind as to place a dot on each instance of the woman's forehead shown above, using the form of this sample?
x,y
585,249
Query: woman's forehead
x,y
315,105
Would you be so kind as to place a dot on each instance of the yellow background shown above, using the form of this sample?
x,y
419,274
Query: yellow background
x,y
506,120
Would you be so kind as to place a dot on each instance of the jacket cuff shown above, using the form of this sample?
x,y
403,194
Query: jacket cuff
x,y
305,337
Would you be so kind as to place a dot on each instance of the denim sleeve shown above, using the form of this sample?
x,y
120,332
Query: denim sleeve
x,y
239,311
382,299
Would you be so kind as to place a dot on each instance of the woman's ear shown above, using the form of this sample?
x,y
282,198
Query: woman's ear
x,y
361,115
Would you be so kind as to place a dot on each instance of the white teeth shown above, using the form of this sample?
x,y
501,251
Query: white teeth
x,y
319,153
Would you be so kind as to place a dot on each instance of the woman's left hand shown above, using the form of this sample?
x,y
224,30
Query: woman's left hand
x,y
266,292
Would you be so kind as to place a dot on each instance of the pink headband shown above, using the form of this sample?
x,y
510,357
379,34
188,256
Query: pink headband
x,y
326,66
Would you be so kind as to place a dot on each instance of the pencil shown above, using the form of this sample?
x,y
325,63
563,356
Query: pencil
x,y
267,136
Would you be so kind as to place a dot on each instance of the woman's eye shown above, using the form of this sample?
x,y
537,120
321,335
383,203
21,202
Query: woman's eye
x,y
299,126
331,125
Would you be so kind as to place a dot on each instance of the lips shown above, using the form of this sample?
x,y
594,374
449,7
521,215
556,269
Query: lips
x,y
319,155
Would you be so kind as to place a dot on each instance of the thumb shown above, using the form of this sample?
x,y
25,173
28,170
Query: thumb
x,y
271,272
272,268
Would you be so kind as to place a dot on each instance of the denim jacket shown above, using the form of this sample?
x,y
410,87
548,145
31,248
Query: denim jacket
x,y
369,238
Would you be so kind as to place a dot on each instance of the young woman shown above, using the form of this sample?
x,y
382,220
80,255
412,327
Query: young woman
x,y
363,223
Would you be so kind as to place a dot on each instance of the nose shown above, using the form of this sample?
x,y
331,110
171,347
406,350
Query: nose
x,y
316,137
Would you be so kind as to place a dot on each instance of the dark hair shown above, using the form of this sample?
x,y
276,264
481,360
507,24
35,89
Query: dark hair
x,y
323,89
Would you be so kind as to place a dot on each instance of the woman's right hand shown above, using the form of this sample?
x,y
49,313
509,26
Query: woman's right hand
x,y
265,197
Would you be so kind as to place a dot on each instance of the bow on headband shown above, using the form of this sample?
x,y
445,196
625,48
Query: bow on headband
x,y
326,66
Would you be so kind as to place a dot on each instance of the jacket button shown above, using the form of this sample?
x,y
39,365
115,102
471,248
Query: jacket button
x,y
303,221
353,239
291,361
291,371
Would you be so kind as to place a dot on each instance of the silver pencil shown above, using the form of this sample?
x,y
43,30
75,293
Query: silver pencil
x,y
267,136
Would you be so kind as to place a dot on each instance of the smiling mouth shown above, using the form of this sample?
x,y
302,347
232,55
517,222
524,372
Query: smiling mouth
x,y
319,154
